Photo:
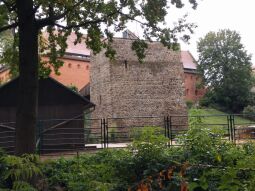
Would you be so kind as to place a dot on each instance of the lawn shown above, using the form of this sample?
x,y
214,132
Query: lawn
x,y
213,116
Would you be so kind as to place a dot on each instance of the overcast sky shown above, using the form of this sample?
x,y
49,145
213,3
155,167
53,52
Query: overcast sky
x,y
212,15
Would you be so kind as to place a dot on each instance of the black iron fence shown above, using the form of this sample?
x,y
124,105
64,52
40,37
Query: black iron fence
x,y
81,133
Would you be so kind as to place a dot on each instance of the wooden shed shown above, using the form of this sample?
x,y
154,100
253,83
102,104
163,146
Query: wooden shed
x,y
60,125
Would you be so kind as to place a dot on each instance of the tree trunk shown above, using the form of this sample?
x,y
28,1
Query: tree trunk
x,y
26,114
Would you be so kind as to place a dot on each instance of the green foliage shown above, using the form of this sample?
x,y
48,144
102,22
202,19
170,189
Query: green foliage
x,y
139,47
96,172
206,100
226,67
249,112
19,173
200,141
189,104
99,19
205,162
147,147
9,49
216,164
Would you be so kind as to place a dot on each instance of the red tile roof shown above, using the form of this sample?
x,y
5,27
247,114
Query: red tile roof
x,y
79,48
188,60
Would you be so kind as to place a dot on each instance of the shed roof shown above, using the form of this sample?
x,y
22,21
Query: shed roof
x,y
51,92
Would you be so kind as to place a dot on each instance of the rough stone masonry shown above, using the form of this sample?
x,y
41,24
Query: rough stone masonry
x,y
124,88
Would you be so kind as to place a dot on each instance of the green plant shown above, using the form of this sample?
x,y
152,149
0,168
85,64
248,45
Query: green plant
x,y
202,143
20,173
112,133
148,149
228,76
3,167
189,104
249,112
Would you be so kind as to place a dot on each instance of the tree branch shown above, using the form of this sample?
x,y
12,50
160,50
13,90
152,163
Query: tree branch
x,y
84,24
100,20
51,19
14,25
10,7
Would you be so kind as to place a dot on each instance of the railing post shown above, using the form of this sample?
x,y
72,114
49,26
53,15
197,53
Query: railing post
x,y
101,126
234,129
165,126
168,133
104,133
107,137
229,133
171,132
231,127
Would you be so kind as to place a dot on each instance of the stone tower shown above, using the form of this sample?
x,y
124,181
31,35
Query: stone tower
x,y
126,88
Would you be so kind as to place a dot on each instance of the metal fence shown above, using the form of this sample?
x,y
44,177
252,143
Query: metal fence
x,y
81,134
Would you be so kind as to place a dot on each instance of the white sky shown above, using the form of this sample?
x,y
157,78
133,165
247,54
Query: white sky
x,y
212,15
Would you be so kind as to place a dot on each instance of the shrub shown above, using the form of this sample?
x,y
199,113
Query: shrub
x,y
204,102
249,112
20,173
189,104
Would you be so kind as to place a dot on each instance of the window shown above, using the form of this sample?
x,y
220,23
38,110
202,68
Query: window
x,y
87,67
69,65
78,66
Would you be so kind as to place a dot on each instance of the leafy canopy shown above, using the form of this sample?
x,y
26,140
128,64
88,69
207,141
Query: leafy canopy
x,y
99,19
226,67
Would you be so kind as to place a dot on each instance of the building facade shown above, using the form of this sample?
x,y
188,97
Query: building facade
x,y
76,70
4,74
194,90
126,88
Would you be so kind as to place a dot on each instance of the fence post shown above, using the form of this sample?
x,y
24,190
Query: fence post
x,y
231,127
229,132
234,129
107,137
168,133
165,126
101,126
171,132
104,137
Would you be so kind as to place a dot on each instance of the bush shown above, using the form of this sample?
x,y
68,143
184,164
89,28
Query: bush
x,y
204,162
205,102
189,104
19,173
249,112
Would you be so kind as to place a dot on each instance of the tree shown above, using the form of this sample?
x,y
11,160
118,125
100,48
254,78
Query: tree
x,y
59,18
226,68
9,51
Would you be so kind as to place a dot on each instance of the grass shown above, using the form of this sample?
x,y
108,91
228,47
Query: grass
x,y
214,116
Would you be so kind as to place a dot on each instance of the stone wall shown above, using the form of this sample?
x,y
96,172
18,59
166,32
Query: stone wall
x,y
126,88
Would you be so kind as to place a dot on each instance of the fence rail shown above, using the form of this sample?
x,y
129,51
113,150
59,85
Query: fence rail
x,y
78,134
